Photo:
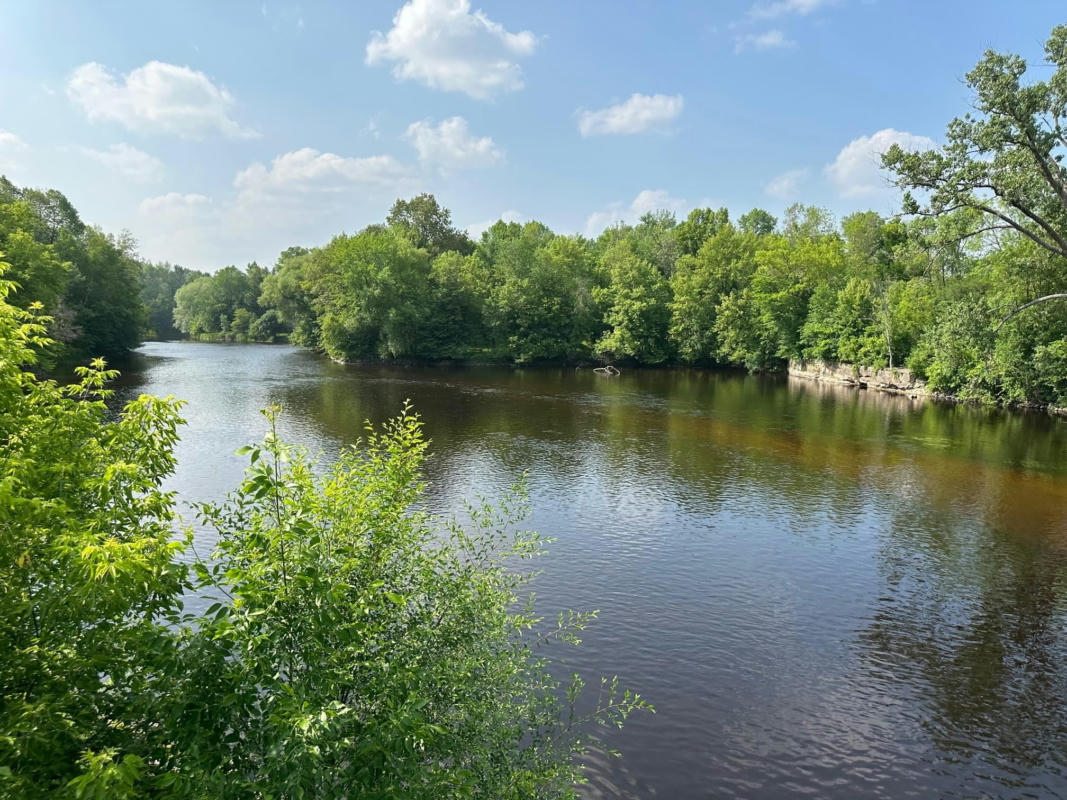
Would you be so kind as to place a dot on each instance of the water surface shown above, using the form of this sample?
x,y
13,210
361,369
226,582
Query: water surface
x,y
824,592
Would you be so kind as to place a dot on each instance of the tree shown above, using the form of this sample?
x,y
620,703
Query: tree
x,y
806,222
428,225
285,291
699,226
105,293
209,304
723,265
757,221
159,283
540,303
89,573
372,294
1006,162
637,308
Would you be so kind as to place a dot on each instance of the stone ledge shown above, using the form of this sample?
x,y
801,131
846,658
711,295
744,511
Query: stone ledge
x,y
896,380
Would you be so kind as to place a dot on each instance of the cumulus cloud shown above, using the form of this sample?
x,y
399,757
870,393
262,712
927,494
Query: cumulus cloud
x,y
300,197
781,8
441,44
184,228
451,146
10,147
768,40
158,98
786,186
128,161
174,204
857,170
476,229
647,200
309,171
642,112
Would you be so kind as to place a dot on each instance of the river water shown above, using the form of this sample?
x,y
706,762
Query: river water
x,y
824,592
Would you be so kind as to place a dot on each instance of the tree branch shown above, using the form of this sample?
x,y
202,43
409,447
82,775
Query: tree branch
x,y
1057,296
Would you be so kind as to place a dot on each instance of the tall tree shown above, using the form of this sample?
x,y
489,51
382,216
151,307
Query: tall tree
x,y
1007,160
428,225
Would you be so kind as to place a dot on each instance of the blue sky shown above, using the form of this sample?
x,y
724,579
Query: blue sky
x,y
220,133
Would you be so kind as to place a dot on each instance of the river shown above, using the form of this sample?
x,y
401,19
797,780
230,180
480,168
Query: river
x,y
824,592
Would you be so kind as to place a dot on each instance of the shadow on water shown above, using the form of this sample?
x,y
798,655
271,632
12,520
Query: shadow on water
x,y
825,592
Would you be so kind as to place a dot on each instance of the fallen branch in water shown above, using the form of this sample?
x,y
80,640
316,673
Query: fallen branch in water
x,y
608,371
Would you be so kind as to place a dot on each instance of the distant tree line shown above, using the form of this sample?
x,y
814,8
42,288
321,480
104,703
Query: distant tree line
x,y
928,293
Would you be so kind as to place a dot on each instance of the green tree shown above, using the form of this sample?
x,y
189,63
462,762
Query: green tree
x,y
637,308
285,291
89,578
699,226
104,291
372,293
540,303
428,225
724,264
757,221
159,283
1007,161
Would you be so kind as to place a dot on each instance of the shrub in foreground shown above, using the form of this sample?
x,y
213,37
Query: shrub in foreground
x,y
352,645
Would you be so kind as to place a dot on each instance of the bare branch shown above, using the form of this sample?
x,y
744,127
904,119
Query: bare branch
x,y
1058,296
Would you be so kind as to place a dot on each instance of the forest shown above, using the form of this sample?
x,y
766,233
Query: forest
x,y
982,233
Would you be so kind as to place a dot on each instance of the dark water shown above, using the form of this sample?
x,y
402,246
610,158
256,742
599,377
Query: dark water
x,y
825,593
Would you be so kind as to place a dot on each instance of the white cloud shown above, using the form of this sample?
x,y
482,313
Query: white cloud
x,y
647,200
857,169
441,44
156,97
307,170
451,146
184,228
640,113
768,40
476,229
174,204
302,197
127,160
786,185
781,8
10,147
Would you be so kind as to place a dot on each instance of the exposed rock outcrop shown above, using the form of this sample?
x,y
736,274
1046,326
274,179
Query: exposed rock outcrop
x,y
896,380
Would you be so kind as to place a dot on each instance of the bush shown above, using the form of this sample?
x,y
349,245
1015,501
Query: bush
x,y
357,646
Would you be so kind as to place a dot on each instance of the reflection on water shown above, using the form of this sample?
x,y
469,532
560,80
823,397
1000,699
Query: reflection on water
x,y
824,592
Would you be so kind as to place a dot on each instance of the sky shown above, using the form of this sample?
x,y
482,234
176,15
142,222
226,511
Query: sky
x,y
223,132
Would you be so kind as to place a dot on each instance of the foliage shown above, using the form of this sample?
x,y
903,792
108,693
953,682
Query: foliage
x,y
89,573
221,306
357,645
87,281
637,308
428,225
1006,162
371,293
159,284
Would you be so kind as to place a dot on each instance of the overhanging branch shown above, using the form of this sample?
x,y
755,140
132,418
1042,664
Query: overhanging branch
x,y
1057,296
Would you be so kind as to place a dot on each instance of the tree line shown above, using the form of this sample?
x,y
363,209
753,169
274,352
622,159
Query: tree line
x,y
927,293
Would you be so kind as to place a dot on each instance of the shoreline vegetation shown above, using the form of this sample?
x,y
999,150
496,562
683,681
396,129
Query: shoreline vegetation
x,y
354,644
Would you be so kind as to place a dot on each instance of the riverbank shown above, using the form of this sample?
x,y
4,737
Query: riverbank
x,y
896,380
893,380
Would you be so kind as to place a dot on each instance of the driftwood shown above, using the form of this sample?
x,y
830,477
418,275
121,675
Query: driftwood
x,y
608,371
